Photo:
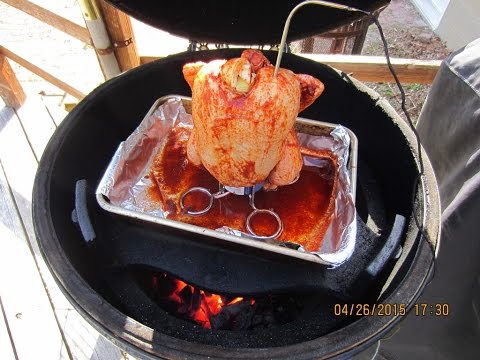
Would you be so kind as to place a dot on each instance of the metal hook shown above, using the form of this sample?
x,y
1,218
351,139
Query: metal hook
x,y
255,212
221,193
224,191
294,10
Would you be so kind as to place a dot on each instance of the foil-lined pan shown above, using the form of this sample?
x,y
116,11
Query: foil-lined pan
x,y
123,189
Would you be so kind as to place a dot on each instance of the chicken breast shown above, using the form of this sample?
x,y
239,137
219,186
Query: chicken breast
x,y
243,119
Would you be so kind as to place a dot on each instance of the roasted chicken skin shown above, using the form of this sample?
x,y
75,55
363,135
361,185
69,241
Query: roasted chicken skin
x,y
243,119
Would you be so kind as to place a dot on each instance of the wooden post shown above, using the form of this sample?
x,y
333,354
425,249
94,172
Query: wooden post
x,y
120,30
10,89
100,38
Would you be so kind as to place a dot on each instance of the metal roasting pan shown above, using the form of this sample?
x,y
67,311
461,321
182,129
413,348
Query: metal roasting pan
x,y
302,125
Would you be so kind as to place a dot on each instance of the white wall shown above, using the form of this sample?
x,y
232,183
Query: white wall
x,y
431,10
457,22
460,23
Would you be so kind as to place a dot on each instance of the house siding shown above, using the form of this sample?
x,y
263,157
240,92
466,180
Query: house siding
x,y
457,22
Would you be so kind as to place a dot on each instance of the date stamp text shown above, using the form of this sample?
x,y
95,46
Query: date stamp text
x,y
418,309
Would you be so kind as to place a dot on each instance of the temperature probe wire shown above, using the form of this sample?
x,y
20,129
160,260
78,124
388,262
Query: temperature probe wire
x,y
395,77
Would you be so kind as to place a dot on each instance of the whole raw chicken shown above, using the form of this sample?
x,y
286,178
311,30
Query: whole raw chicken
x,y
243,119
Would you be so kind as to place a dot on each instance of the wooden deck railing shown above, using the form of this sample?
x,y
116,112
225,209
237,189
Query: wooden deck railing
x,y
370,68
38,71
119,29
52,19
364,68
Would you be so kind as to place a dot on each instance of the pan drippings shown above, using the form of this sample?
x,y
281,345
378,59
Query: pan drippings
x,y
304,207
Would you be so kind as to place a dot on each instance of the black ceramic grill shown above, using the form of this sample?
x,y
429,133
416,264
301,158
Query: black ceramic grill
x,y
246,22
109,279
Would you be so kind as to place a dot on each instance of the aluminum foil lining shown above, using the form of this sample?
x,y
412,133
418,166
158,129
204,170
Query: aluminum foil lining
x,y
126,185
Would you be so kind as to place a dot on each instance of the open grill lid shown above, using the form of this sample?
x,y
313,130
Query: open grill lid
x,y
245,22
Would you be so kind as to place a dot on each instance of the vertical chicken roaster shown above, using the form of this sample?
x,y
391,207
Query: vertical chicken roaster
x,y
243,119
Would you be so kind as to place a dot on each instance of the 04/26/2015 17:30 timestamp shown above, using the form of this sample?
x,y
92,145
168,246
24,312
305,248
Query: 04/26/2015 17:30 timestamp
x,y
418,309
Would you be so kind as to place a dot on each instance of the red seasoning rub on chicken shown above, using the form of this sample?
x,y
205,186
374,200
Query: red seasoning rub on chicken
x,y
243,119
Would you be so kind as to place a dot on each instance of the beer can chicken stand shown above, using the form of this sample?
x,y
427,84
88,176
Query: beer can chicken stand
x,y
243,126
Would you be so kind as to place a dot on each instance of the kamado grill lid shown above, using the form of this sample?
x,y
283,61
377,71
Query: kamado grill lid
x,y
245,22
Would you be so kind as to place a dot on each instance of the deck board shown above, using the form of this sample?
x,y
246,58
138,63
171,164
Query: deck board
x,y
86,343
28,312
7,347
37,124
23,137
55,106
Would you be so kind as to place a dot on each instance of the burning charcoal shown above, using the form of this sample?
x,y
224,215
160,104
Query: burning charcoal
x,y
218,312
286,308
221,321
233,317
257,320
165,285
195,299
269,319
244,319
186,294
155,283
227,299
185,297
